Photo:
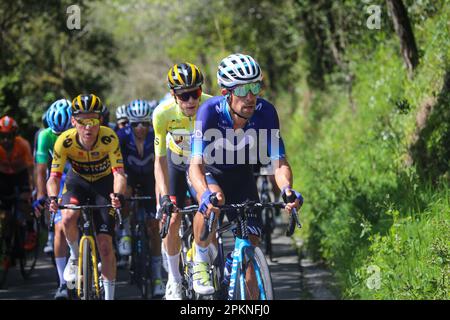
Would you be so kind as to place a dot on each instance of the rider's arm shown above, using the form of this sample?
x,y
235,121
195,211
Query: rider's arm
x,y
161,175
283,173
116,160
197,176
161,168
120,181
41,172
57,168
53,186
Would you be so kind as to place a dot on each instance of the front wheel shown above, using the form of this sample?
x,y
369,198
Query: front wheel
x,y
87,278
254,257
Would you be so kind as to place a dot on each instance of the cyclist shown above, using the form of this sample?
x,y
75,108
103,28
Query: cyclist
x,y
121,117
175,116
16,169
228,171
137,145
58,118
97,172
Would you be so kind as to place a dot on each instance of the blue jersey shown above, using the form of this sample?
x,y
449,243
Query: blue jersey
x,y
134,163
223,147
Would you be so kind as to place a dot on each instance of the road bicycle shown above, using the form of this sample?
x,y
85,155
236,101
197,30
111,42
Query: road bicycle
x,y
88,279
244,254
140,265
15,228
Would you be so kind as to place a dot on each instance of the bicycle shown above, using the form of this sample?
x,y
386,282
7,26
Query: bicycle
x,y
244,254
14,230
140,271
267,214
88,279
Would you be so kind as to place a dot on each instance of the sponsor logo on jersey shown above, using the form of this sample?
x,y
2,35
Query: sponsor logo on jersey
x,y
67,143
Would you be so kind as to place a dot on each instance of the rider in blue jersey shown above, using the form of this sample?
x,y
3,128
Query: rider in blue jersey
x,y
233,132
137,146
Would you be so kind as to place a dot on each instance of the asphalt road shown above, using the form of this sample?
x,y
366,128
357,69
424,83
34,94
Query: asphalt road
x,y
289,276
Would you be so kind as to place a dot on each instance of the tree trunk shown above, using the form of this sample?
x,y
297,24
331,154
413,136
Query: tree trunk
x,y
404,31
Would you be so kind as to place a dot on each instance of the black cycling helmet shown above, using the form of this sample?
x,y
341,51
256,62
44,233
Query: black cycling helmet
x,y
87,103
184,76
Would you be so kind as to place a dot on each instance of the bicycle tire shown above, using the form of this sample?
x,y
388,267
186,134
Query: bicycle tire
x,y
29,258
87,277
266,278
5,258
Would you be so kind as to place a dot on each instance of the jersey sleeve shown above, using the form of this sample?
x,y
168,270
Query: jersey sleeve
x,y
206,119
59,156
160,129
115,154
42,148
27,154
275,144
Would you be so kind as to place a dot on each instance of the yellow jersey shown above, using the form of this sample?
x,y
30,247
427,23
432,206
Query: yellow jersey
x,y
103,158
169,120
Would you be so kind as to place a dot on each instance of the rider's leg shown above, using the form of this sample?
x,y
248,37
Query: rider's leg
x,y
60,250
105,248
70,229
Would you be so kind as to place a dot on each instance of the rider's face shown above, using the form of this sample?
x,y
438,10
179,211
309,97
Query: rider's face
x,y
245,106
87,125
189,107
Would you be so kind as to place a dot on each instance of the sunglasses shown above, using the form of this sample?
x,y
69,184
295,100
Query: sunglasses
x,y
241,91
122,123
88,122
186,95
145,124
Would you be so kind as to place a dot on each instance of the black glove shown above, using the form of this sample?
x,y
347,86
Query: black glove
x,y
167,205
294,196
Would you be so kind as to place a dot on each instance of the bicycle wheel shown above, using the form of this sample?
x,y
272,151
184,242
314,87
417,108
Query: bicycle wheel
x,y
29,257
144,265
5,258
261,268
87,277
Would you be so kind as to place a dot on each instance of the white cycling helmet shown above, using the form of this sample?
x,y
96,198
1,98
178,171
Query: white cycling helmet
x,y
139,110
121,112
237,69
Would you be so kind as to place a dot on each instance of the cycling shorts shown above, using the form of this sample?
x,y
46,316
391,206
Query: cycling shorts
x,y
238,184
78,191
11,184
177,180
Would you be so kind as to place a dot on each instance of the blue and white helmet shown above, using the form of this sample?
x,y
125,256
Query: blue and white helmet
x,y
58,115
139,110
238,69
121,112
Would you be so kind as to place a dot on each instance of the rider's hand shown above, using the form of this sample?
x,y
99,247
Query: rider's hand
x,y
167,207
206,206
292,198
39,205
53,204
117,200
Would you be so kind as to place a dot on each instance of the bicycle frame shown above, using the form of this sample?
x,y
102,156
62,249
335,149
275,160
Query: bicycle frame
x,y
88,235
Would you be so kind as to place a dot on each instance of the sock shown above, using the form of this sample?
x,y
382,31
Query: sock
x,y
109,286
73,249
60,265
174,268
212,252
156,267
51,236
201,254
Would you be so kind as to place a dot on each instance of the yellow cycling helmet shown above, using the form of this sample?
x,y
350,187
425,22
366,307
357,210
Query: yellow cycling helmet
x,y
87,103
184,76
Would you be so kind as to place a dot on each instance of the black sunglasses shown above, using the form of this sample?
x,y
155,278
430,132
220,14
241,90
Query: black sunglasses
x,y
145,124
186,95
